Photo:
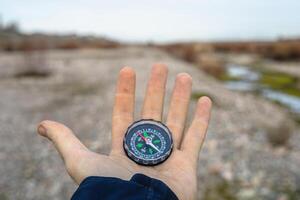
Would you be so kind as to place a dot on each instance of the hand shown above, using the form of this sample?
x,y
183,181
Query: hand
x,y
179,171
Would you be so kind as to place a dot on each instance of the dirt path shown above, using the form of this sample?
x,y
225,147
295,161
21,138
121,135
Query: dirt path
x,y
237,160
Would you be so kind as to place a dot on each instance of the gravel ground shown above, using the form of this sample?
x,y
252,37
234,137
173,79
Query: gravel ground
x,y
237,160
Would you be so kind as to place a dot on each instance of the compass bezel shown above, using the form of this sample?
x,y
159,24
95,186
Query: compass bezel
x,y
148,162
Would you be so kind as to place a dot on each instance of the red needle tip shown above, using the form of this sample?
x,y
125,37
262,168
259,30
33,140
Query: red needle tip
x,y
142,136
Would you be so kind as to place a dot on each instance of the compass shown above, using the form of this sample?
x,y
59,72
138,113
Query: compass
x,y
148,142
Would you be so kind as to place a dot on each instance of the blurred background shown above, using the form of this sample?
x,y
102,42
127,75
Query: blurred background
x,y
59,60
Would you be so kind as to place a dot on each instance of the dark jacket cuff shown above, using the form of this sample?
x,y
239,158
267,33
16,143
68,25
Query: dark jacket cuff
x,y
109,188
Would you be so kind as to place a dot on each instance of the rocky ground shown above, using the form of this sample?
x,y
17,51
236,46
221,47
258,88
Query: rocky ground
x,y
238,160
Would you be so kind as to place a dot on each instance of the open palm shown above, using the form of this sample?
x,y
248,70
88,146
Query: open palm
x,y
178,171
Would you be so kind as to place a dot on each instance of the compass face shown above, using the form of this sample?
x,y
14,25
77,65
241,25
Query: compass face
x,y
148,142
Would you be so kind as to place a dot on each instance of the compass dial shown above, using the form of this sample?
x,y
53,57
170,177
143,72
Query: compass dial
x,y
148,142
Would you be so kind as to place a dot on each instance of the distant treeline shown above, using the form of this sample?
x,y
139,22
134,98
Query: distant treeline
x,y
278,50
13,39
281,50
27,42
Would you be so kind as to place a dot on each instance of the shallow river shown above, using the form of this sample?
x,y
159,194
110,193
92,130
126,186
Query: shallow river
x,y
246,79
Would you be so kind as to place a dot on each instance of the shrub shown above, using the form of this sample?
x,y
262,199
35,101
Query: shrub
x,y
280,133
211,65
33,64
284,51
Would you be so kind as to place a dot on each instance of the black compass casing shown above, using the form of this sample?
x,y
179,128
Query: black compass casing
x,y
158,132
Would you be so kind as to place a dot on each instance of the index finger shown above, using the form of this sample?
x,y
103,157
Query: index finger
x,y
123,108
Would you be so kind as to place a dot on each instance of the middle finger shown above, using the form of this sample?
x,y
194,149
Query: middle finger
x,y
154,99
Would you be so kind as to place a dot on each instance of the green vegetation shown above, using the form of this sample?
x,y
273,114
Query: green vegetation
x,y
277,80
227,77
291,91
282,82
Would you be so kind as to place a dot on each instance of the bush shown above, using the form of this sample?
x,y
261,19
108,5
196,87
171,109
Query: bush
x,y
284,51
33,64
211,65
280,133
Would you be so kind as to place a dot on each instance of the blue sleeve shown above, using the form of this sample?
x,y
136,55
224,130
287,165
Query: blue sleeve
x,y
139,187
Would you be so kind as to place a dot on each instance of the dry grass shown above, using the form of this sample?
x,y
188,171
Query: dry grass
x,y
199,54
211,64
183,51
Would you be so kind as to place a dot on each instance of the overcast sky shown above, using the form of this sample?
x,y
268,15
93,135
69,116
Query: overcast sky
x,y
158,20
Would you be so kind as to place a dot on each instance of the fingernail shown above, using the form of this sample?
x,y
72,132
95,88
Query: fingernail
x,y
42,130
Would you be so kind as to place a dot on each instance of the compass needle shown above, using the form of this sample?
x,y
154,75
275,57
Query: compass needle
x,y
148,142
154,147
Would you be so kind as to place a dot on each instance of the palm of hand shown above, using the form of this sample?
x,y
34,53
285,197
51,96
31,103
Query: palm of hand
x,y
179,172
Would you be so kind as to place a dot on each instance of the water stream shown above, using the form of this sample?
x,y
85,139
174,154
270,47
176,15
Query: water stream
x,y
246,79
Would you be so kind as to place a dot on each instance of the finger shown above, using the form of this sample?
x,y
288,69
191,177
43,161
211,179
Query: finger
x,y
154,99
195,136
124,107
179,106
66,143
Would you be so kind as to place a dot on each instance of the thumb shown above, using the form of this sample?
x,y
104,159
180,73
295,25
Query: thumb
x,y
65,142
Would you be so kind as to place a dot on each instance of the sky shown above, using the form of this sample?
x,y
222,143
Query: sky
x,y
158,20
